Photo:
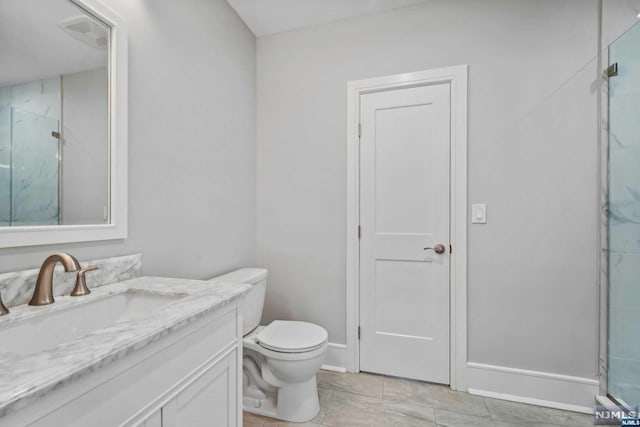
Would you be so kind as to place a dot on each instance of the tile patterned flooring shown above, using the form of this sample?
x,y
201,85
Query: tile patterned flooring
x,y
375,400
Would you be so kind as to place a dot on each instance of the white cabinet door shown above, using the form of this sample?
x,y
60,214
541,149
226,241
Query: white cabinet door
x,y
210,400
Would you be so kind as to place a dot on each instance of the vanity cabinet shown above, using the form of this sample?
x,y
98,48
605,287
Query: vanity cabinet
x,y
210,400
189,377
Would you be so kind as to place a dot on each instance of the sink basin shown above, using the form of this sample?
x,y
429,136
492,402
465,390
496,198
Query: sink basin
x,y
50,329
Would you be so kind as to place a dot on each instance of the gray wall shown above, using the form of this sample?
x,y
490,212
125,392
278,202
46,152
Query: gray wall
x,y
85,149
532,289
191,142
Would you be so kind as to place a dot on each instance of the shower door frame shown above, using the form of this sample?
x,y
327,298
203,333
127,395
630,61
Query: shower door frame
x,y
602,199
603,235
603,397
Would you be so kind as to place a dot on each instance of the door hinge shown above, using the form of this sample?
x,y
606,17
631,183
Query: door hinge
x,y
55,134
358,332
359,232
359,130
450,249
612,70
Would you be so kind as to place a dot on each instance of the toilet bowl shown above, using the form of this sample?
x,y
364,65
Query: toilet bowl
x,y
280,360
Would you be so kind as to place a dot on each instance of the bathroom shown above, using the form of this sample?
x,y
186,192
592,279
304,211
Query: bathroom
x,y
232,146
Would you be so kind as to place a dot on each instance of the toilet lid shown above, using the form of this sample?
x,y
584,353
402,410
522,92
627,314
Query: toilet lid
x,y
291,336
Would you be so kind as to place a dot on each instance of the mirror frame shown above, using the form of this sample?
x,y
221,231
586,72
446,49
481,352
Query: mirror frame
x,y
117,167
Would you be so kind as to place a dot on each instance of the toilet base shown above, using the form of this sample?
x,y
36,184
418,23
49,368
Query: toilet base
x,y
288,405
265,407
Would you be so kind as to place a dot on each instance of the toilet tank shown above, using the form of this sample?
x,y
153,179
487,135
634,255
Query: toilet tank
x,y
253,302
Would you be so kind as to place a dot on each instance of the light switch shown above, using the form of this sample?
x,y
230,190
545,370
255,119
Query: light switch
x,y
479,213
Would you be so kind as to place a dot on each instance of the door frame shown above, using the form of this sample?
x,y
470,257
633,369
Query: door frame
x,y
456,76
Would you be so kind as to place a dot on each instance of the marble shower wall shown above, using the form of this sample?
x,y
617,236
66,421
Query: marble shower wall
x,y
35,170
624,218
34,165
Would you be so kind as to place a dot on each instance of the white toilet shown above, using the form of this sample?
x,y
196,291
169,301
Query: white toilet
x,y
280,360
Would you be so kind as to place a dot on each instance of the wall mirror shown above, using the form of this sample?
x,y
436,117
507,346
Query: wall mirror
x,y
63,121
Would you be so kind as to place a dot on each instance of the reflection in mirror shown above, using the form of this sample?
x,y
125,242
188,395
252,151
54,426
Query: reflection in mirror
x,y
54,114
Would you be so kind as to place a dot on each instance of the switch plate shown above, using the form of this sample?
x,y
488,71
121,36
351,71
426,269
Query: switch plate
x,y
479,213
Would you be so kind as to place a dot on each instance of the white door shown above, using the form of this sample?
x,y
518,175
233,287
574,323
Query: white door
x,y
404,208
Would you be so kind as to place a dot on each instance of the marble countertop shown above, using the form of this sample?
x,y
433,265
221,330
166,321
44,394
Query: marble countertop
x,y
24,378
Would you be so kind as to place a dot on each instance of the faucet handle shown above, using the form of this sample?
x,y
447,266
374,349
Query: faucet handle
x,y
3,309
81,284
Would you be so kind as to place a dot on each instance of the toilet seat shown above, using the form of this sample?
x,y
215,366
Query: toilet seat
x,y
291,336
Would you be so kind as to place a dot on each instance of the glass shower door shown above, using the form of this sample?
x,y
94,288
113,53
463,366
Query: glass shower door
x,y
34,169
624,220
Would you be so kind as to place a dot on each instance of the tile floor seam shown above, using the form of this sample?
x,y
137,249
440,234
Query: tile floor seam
x,y
384,382
422,405
484,403
435,417
353,392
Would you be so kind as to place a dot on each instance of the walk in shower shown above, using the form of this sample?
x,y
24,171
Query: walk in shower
x,y
30,153
622,97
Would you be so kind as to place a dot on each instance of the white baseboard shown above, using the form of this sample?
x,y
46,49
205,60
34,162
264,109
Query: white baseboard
x,y
336,358
533,387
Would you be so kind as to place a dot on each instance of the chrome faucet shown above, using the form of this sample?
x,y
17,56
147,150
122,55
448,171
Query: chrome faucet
x,y
3,309
43,293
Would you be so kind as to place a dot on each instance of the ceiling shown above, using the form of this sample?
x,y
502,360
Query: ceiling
x,y
266,17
